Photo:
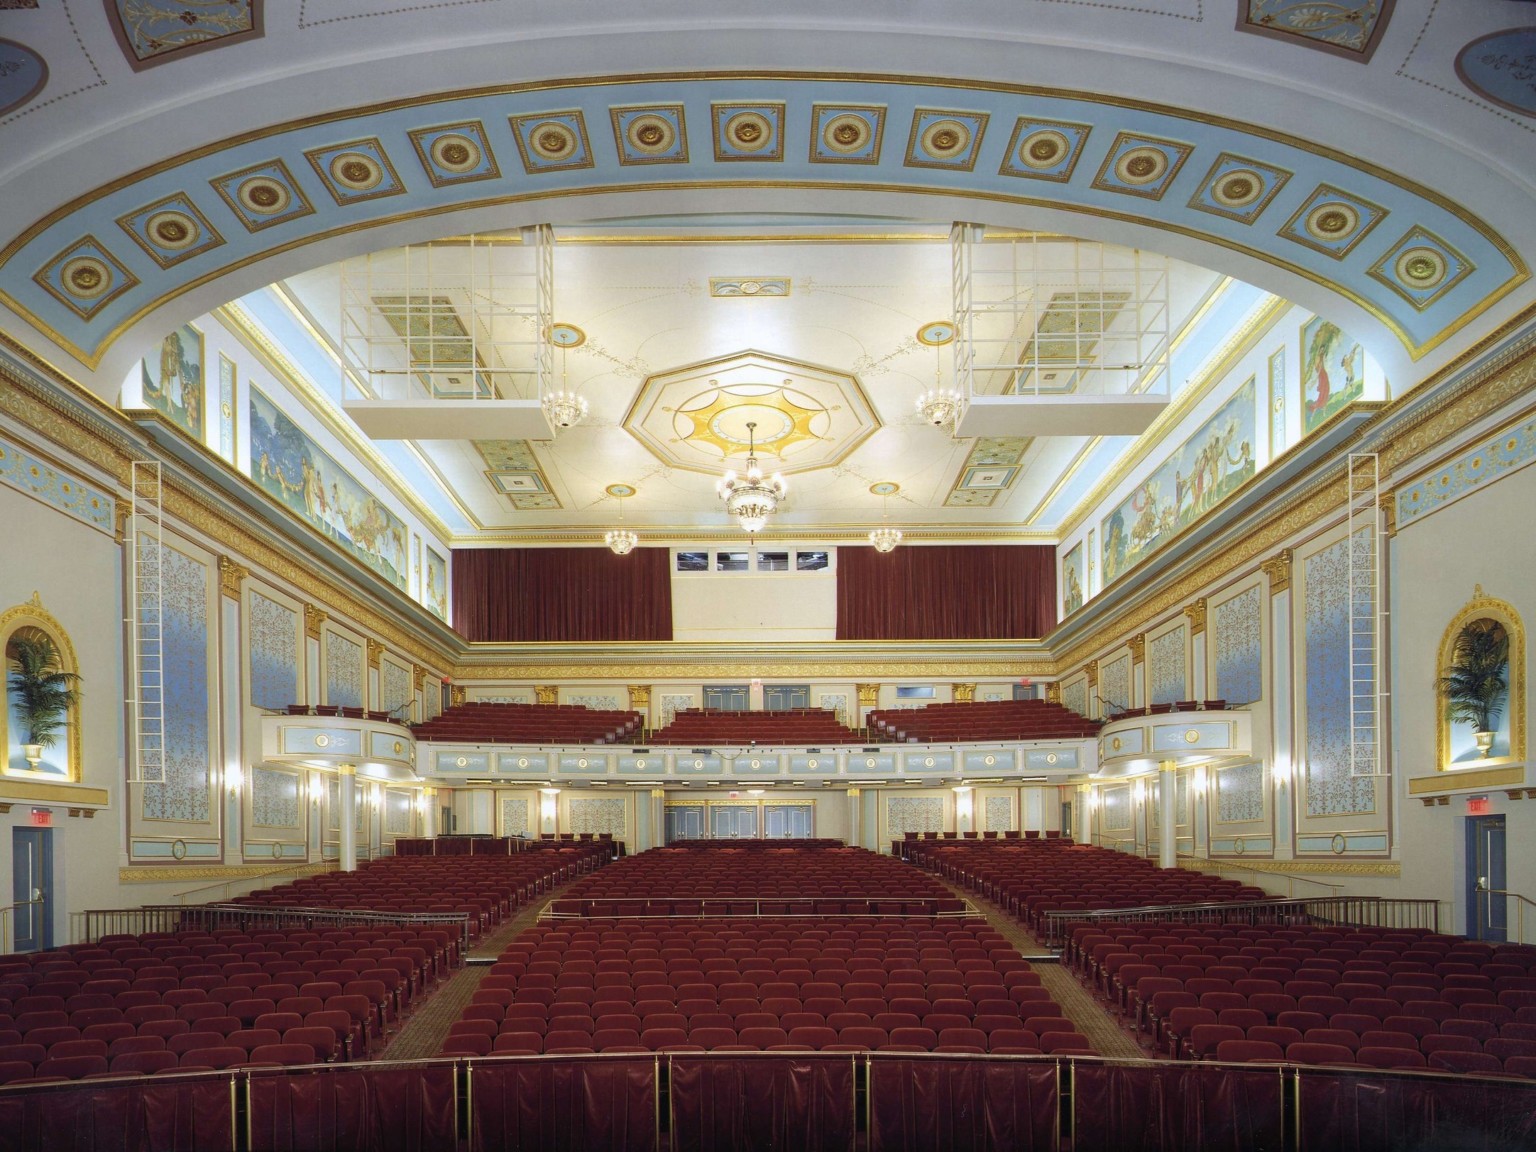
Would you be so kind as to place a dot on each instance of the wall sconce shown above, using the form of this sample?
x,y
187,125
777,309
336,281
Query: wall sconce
x,y
316,791
376,797
547,802
963,801
1093,799
1141,792
1281,771
1202,781
233,780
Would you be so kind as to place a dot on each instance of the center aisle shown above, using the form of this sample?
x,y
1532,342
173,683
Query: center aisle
x,y
424,1033
1091,1018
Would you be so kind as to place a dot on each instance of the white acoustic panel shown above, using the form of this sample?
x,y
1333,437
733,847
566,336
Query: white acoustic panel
x,y
425,419
1060,416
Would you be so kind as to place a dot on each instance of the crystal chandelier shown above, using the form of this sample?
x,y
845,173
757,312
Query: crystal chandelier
x,y
565,408
750,498
939,406
885,538
621,541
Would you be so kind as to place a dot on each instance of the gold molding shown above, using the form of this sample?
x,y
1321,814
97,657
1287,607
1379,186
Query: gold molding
x,y
418,677
1389,511
1459,780
963,693
1278,570
869,695
1196,614
231,577
314,621
1388,868
376,651
1091,671
151,874
1138,646
639,697
545,693
456,695
1053,692
15,789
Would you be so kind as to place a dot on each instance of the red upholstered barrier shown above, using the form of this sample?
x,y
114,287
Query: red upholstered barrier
x,y
593,1104
918,1104
1153,1108
401,1107
766,1101
154,1114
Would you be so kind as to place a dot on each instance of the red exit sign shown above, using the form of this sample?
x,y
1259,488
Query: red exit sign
x,y
1478,806
42,817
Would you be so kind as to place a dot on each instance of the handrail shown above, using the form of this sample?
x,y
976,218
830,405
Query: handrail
x,y
92,924
1520,905
1206,864
309,868
783,907
1360,911
5,921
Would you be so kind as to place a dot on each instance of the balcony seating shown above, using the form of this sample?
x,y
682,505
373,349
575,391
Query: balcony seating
x,y
972,721
482,723
794,727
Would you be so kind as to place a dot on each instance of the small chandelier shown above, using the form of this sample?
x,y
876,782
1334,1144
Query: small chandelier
x,y
621,541
885,538
565,408
940,406
750,498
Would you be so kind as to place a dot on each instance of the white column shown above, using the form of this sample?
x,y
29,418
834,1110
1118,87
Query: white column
x,y
348,792
1167,815
1283,765
1032,818
869,826
855,808
429,813
658,817
1085,813
233,781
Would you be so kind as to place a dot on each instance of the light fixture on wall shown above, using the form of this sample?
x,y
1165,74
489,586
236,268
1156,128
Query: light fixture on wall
x,y
751,498
565,408
621,541
233,779
885,538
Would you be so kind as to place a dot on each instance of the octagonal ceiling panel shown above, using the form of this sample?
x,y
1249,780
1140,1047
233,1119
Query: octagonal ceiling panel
x,y
800,416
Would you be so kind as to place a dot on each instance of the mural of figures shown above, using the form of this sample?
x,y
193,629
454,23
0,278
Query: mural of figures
x,y
173,381
1204,470
294,470
435,585
1332,372
1072,580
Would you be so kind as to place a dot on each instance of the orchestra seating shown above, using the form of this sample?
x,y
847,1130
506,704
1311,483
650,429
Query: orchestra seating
x,y
987,720
1316,994
1033,877
175,1001
478,722
488,889
679,969
791,727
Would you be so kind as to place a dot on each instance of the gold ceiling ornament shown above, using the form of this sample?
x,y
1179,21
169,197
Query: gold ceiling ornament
x,y
751,498
620,540
784,413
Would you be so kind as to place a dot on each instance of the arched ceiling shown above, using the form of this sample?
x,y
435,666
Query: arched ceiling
x,y
178,155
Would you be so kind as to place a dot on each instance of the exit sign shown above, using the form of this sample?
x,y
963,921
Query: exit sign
x,y
42,817
1478,806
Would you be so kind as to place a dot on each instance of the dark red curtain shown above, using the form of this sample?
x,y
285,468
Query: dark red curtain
x,y
603,1104
1160,1107
946,592
763,1103
530,594
963,1105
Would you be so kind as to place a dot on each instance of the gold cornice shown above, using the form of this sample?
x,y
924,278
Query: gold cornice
x,y
1242,341
231,577
244,329
727,666
1461,780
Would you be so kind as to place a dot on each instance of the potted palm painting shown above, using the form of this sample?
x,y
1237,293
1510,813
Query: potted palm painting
x,y
1475,685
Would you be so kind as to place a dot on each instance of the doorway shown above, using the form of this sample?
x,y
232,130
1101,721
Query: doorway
x,y
682,822
32,888
727,697
783,697
1487,913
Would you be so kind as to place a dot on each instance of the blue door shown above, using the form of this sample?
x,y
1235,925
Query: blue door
x,y
1487,913
32,888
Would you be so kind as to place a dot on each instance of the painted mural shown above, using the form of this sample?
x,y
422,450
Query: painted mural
x,y
1332,372
1072,580
1203,472
294,470
435,585
174,383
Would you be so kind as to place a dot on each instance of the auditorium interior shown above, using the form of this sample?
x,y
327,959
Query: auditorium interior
x,y
754,577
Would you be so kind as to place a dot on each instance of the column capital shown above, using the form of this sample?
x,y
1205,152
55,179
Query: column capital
x,y
1278,569
456,695
658,793
314,620
1196,614
375,650
639,697
546,693
1138,646
231,577
869,695
346,769
854,793
963,693
1053,692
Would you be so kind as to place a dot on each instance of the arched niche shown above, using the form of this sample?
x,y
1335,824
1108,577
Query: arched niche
x,y
62,760
1454,742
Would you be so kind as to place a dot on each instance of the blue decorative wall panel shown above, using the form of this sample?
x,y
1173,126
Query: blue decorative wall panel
x,y
274,653
184,621
1165,667
1238,630
1331,788
343,672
